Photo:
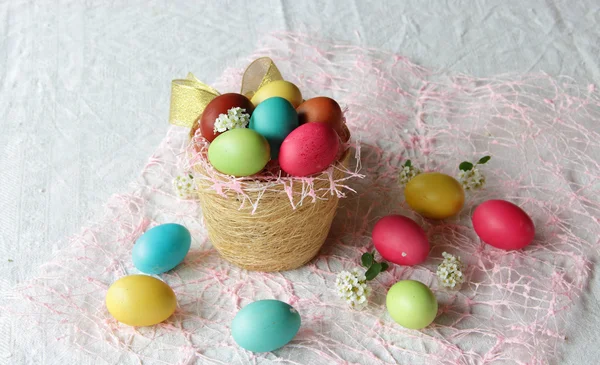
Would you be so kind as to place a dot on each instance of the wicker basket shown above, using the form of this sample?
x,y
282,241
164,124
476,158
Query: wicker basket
x,y
274,237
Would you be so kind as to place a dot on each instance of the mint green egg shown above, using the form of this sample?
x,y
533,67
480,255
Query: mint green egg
x,y
274,118
265,325
411,304
239,152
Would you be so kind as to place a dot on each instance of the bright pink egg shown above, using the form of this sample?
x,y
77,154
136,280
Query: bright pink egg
x,y
400,240
308,149
503,225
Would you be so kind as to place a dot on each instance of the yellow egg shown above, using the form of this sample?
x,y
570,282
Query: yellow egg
x,y
140,300
434,195
283,89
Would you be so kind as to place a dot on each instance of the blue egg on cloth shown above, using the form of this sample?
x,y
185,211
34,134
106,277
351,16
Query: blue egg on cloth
x,y
265,325
274,119
161,248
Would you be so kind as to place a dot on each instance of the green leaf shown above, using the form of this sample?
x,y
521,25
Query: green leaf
x,y
483,160
408,163
373,271
191,176
367,259
465,166
384,266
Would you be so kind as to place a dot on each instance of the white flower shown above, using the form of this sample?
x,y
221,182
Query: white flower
x,y
471,179
407,173
449,272
184,186
353,288
235,118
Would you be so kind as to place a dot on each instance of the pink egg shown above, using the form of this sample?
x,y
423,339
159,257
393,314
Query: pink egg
x,y
503,225
400,240
308,149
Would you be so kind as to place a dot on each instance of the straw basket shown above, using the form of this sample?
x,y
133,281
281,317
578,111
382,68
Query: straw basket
x,y
275,236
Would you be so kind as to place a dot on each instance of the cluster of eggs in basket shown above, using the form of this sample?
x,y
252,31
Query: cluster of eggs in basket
x,y
304,136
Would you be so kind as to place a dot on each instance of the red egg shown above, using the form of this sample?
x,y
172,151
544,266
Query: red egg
x,y
220,105
400,240
309,149
503,225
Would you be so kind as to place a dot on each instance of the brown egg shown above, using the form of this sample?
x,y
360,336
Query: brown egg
x,y
220,105
322,110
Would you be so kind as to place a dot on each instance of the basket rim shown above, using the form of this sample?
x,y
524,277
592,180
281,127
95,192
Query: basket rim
x,y
333,181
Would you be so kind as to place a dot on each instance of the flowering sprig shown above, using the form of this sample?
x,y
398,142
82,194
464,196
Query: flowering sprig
x,y
449,272
373,267
408,172
235,118
352,285
184,186
353,288
469,175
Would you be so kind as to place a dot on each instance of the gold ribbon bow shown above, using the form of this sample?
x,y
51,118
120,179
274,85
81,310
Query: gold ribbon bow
x,y
190,96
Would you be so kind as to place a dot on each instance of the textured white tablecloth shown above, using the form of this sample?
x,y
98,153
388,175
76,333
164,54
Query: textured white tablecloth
x,y
84,97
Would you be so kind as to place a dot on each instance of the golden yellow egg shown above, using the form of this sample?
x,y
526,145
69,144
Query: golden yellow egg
x,y
140,300
280,88
434,195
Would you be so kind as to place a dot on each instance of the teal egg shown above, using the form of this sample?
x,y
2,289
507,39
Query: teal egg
x,y
274,119
265,325
161,248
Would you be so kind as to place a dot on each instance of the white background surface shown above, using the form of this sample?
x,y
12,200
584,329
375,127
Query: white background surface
x,y
84,91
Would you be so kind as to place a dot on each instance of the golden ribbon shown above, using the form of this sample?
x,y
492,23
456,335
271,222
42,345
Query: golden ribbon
x,y
190,96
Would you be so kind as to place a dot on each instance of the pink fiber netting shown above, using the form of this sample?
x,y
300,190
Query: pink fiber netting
x,y
250,190
542,133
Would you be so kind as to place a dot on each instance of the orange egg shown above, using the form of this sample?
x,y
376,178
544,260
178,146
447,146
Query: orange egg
x,y
322,110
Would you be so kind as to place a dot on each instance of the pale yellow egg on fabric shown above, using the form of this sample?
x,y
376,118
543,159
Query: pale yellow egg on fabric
x,y
281,88
435,195
140,300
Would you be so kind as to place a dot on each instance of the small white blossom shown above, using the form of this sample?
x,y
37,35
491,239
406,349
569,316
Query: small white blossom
x,y
449,272
471,179
235,118
184,186
407,173
353,288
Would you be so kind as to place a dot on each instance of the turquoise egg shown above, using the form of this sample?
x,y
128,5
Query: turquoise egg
x,y
274,119
161,248
265,325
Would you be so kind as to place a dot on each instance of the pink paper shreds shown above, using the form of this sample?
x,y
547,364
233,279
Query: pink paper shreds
x,y
249,190
542,133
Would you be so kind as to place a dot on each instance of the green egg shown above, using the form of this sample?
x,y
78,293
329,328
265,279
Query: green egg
x,y
239,152
411,304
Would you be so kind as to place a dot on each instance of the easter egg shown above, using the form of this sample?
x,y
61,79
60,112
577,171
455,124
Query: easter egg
x,y
322,110
220,105
161,248
309,149
239,152
265,325
140,300
411,304
400,240
274,119
434,195
503,225
283,89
